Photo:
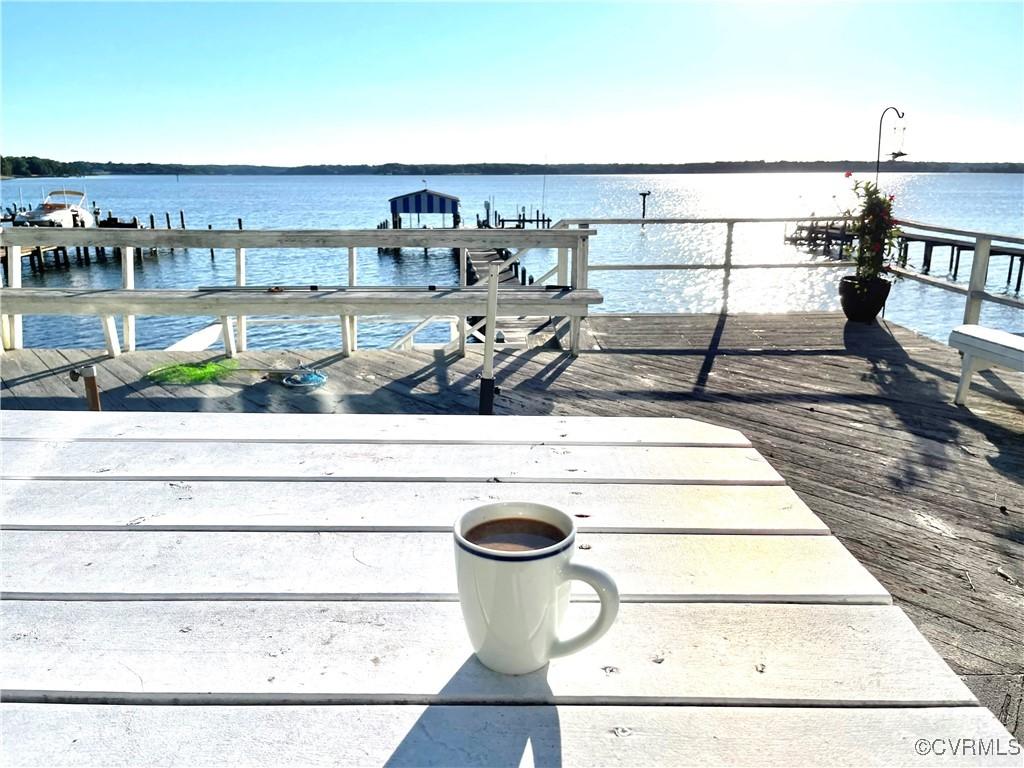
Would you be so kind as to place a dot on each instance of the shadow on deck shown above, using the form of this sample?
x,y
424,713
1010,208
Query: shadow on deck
x,y
858,419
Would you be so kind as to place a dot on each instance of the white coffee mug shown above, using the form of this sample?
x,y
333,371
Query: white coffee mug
x,y
513,602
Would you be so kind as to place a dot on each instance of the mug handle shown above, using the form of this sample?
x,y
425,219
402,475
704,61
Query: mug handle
x,y
609,596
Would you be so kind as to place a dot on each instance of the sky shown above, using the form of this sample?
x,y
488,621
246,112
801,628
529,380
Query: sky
x,y
322,83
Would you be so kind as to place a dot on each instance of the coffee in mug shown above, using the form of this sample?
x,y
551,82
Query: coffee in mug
x,y
514,534
513,561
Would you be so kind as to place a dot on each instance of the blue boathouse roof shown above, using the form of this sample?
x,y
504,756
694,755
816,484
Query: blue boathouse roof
x,y
425,201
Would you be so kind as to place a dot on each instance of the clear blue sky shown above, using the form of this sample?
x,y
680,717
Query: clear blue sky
x,y
276,83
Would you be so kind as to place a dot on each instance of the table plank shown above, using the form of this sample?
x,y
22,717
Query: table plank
x,y
390,506
365,428
361,461
418,652
415,566
567,736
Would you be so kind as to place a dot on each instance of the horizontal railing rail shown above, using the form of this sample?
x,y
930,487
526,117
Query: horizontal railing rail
x,y
962,232
715,220
292,238
830,264
727,265
975,291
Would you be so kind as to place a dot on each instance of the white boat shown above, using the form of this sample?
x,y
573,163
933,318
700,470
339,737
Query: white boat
x,y
61,208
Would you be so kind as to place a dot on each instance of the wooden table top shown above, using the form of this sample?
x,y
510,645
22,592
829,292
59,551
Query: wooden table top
x,y
266,590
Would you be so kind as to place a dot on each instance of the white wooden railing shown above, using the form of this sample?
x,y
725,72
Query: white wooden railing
x,y
518,241
975,290
569,238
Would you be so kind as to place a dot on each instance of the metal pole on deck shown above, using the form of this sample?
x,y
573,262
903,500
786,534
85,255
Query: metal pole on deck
x,y
878,153
487,379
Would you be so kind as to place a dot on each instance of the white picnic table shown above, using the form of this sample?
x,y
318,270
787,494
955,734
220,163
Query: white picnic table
x,y
269,590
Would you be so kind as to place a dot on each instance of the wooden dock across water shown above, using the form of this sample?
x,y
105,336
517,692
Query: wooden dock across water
x,y
858,419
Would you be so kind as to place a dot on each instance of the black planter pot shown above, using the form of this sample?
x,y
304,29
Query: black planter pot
x,y
862,298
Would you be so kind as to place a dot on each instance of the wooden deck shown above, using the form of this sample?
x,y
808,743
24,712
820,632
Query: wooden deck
x,y
858,419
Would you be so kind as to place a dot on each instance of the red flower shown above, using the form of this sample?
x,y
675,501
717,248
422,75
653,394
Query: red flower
x,y
891,198
848,174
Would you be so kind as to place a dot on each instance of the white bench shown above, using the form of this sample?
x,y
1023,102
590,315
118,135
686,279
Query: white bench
x,y
982,348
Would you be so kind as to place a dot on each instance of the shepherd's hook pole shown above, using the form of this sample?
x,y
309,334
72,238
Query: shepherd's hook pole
x,y
878,153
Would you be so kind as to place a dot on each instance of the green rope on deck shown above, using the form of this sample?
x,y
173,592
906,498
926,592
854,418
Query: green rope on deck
x,y
193,373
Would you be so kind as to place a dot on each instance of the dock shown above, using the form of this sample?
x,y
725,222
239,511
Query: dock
x,y
37,257
822,235
518,331
858,418
957,247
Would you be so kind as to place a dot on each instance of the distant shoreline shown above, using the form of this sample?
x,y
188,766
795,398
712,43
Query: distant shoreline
x,y
34,167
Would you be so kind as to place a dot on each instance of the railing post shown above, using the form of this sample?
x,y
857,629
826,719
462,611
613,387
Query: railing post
x,y
463,255
583,279
349,323
562,276
979,276
353,279
727,272
578,279
487,379
227,333
110,335
241,324
128,283
14,328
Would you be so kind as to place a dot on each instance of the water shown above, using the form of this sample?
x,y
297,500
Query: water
x,y
983,202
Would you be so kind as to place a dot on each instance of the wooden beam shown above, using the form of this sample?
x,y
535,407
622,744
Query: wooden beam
x,y
979,276
374,428
353,320
463,255
128,284
110,335
790,655
414,461
15,340
394,301
416,567
574,735
228,335
241,322
311,238
252,505
837,264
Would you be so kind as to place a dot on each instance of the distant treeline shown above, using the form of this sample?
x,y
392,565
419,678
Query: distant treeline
x,y
38,166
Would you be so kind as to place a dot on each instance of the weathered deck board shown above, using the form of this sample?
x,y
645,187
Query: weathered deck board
x,y
418,652
415,566
526,430
428,507
859,420
336,462
568,736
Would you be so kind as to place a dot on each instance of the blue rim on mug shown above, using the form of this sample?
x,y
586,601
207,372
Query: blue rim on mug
x,y
517,557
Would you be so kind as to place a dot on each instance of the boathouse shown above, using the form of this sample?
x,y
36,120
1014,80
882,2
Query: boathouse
x,y
424,201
